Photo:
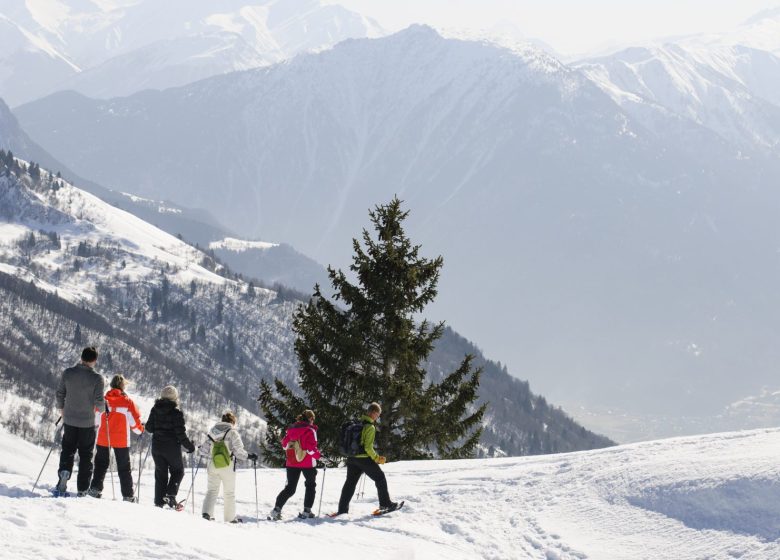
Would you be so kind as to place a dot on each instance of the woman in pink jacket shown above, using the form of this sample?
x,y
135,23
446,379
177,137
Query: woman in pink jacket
x,y
300,444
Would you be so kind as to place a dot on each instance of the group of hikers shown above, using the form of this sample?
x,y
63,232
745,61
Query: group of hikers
x,y
96,422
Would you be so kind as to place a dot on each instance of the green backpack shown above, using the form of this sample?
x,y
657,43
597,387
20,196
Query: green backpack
x,y
220,453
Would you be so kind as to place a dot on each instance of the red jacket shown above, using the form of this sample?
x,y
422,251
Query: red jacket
x,y
122,417
306,434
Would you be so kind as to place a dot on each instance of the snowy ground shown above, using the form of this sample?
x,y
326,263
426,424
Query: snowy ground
x,y
715,496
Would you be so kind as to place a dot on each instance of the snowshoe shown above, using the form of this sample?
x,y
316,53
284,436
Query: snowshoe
x,y
173,504
395,506
337,513
237,520
62,483
306,514
275,515
82,493
131,499
94,492
207,517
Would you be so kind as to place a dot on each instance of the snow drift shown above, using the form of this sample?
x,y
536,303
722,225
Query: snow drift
x,y
713,496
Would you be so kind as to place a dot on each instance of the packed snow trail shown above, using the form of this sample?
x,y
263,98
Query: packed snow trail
x,y
714,496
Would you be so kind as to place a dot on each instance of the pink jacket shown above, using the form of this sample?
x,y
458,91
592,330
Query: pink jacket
x,y
306,434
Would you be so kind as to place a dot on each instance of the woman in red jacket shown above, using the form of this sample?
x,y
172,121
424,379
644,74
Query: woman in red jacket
x,y
120,417
300,444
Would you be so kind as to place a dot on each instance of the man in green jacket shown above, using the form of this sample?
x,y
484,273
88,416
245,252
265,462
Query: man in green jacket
x,y
367,463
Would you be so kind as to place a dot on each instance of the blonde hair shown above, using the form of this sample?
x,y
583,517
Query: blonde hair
x,y
119,382
374,407
308,414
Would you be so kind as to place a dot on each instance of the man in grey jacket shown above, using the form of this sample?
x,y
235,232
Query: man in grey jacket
x,y
79,396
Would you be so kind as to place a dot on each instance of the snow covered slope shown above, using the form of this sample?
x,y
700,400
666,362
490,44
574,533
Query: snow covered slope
x,y
714,497
118,47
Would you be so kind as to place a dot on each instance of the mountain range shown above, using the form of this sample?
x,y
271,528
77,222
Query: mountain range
x,y
620,250
76,270
117,47
611,218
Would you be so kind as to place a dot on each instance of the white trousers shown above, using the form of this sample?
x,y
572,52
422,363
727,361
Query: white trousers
x,y
226,477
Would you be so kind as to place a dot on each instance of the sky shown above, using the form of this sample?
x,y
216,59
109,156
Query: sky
x,y
571,27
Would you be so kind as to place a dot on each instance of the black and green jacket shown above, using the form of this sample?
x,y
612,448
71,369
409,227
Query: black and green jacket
x,y
367,437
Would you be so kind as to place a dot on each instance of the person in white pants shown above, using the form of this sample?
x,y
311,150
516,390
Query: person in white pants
x,y
224,474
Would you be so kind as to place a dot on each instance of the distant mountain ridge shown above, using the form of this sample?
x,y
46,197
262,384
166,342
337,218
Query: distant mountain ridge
x,y
111,48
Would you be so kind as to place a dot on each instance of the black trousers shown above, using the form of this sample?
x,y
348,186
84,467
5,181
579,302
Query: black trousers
x,y
293,476
123,469
356,467
82,440
168,470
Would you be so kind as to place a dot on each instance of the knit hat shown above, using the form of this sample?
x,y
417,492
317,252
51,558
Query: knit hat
x,y
170,393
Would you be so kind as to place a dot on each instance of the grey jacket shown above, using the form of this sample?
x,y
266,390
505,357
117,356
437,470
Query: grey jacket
x,y
232,439
79,393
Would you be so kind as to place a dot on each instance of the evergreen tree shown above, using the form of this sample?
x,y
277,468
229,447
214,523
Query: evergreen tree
x,y
366,346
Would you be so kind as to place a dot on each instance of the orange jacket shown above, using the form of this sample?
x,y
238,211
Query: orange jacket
x,y
122,416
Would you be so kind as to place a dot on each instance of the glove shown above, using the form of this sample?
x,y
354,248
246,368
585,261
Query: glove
x,y
190,448
252,457
381,460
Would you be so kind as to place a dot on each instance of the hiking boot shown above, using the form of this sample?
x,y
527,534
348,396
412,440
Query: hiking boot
x,y
170,501
237,520
62,483
207,517
275,515
94,492
306,514
131,499
82,493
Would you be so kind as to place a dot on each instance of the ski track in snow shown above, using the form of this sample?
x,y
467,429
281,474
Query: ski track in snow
x,y
713,497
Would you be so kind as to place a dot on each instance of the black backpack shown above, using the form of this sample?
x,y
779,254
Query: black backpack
x,y
349,442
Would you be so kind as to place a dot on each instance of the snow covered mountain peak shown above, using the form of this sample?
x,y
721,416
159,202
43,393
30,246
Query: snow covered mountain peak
x,y
116,47
771,14
761,31
729,89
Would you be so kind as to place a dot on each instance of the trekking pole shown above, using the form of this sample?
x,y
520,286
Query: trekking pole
x,y
257,502
362,486
192,485
192,471
35,485
140,469
108,435
322,490
141,466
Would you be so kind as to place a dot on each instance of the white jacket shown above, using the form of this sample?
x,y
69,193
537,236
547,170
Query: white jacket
x,y
232,440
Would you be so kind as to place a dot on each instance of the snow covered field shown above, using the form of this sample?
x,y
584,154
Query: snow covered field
x,y
714,496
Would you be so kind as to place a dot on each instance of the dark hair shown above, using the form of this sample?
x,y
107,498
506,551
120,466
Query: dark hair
x,y
229,417
89,354
308,414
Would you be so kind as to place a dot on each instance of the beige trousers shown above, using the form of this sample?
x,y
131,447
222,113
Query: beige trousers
x,y
226,477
